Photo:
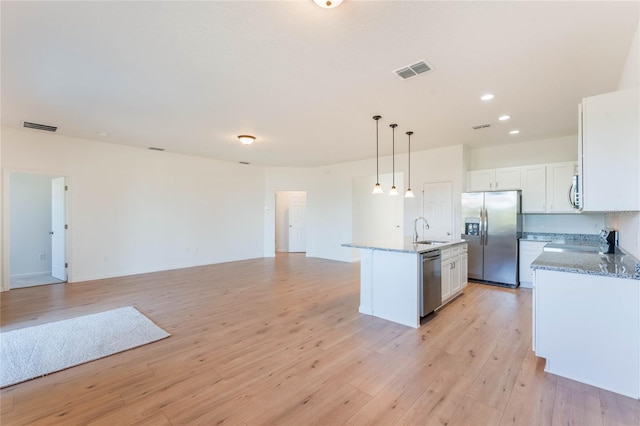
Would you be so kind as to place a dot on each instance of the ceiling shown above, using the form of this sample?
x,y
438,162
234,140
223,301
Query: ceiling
x,y
191,76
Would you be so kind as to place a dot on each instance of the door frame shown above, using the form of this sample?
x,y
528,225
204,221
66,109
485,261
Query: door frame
x,y
5,199
275,218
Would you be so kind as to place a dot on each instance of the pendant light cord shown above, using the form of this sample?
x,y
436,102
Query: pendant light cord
x,y
409,134
377,155
393,154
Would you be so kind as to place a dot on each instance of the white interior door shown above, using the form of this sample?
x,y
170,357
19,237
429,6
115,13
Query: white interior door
x,y
58,231
437,209
297,234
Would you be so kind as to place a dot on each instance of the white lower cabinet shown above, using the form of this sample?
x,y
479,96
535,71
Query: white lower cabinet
x,y
588,329
454,271
529,251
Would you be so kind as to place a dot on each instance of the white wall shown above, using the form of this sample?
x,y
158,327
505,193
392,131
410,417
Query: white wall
x,y
30,218
377,217
133,210
554,150
330,196
630,76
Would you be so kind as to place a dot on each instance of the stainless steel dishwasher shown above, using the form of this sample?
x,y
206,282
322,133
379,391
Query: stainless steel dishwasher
x,y
431,288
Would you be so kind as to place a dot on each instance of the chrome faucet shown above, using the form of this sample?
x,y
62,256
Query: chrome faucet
x,y
415,227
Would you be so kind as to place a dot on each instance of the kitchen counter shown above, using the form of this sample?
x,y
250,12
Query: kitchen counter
x,y
620,265
406,246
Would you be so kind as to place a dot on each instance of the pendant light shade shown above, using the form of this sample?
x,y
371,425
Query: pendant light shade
x,y
377,189
394,190
409,193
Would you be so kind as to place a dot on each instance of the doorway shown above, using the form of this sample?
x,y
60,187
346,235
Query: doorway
x,y
37,229
291,236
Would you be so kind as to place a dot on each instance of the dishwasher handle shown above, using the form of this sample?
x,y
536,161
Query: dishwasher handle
x,y
431,255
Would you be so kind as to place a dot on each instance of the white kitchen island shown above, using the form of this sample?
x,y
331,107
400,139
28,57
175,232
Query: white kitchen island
x,y
390,278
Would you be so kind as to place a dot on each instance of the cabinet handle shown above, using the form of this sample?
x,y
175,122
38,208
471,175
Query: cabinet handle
x,y
496,185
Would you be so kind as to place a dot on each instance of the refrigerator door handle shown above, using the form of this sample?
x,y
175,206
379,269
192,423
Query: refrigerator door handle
x,y
486,227
481,227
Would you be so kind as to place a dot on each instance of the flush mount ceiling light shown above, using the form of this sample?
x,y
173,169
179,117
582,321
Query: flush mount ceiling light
x,y
487,97
328,4
504,117
246,139
394,190
377,189
514,132
409,193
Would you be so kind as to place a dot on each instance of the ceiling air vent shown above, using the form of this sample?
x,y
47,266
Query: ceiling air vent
x,y
413,70
153,148
481,126
246,163
37,126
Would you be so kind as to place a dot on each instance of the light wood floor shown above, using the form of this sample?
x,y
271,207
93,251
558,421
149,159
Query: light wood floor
x,y
280,342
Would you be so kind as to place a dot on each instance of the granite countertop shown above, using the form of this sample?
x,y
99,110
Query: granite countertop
x,y
405,246
620,265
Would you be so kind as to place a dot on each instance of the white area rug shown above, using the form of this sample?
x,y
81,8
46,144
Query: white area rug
x,y
35,351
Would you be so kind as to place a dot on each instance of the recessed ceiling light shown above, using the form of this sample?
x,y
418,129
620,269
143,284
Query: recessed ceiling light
x,y
487,97
246,139
103,134
504,117
514,132
328,4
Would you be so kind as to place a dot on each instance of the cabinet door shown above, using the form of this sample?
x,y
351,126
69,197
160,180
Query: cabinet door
x,y
560,187
446,279
508,178
481,180
463,270
610,149
455,275
534,189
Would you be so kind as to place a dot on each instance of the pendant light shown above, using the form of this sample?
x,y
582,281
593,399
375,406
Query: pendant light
x,y
409,193
394,190
377,189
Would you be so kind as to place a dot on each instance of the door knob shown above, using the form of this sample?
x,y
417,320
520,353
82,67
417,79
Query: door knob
x,y
50,232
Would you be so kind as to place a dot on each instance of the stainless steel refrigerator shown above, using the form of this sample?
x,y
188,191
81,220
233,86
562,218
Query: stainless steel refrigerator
x,y
492,225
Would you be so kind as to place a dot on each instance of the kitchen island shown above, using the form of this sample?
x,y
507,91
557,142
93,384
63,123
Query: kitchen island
x,y
391,274
586,318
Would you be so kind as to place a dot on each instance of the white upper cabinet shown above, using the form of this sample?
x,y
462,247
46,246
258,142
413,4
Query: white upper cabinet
x,y
609,145
548,188
494,179
534,189
560,188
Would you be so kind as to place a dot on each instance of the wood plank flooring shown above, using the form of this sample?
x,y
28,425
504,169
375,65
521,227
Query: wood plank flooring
x,y
280,342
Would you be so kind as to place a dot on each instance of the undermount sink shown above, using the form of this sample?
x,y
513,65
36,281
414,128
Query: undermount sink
x,y
431,242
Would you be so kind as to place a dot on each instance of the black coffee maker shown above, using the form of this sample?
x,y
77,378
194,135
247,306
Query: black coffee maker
x,y
612,240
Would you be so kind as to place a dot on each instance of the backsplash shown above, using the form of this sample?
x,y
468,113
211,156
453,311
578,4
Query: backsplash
x,y
548,236
585,223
